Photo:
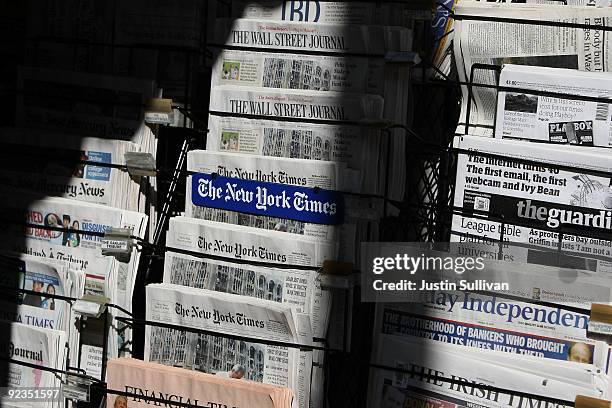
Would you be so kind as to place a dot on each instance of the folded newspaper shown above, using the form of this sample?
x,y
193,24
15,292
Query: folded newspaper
x,y
104,275
248,243
522,115
38,346
145,381
302,36
361,149
295,172
332,12
232,315
535,201
299,104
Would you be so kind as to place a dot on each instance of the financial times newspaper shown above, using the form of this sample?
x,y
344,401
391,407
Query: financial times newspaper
x,y
424,362
249,244
530,197
498,43
299,104
33,345
62,174
296,172
234,315
332,12
158,381
522,115
361,149
299,36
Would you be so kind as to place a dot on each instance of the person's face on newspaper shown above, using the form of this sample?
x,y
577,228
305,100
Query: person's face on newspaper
x,y
120,402
580,353
237,374
37,286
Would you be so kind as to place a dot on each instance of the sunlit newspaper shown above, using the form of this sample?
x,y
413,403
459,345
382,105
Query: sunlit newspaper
x,y
498,43
536,201
361,149
104,275
43,277
332,12
236,242
299,104
388,388
301,36
292,287
295,172
298,71
522,115
145,381
478,323
62,174
233,315
37,346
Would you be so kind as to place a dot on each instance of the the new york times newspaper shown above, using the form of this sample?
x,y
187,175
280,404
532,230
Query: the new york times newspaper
x,y
303,173
536,201
300,289
249,244
234,315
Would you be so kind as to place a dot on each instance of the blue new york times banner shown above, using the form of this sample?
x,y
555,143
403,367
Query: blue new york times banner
x,y
305,204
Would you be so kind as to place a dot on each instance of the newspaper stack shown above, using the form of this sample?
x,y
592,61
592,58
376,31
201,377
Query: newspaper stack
x,y
506,340
62,175
362,77
537,44
233,315
144,381
104,276
34,346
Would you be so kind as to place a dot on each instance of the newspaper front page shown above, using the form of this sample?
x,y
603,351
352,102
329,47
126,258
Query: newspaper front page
x,y
530,197
249,244
235,315
158,381
542,118
296,172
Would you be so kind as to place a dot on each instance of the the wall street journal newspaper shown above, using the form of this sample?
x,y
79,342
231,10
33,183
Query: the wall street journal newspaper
x,y
306,105
522,115
361,149
536,201
234,315
300,36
